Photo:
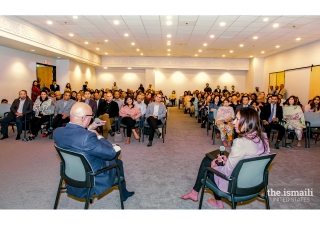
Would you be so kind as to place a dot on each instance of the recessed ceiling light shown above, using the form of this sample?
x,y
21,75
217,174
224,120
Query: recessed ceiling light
x,y
200,50
168,43
32,50
71,34
222,24
169,17
106,53
58,57
241,45
275,25
49,22
255,37
106,40
277,46
195,55
262,52
105,67
129,68
223,55
169,22
298,39
75,17
126,35
205,44
116,22
265,19
138,49
97,48
211,36
169,54
132,43
251,56
169,50
169,36
141,54
86,42
231,51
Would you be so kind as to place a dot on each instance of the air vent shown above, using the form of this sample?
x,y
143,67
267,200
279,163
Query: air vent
x,y
181,44
293,26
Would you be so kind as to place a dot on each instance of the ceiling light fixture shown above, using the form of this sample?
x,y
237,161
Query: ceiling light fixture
x,y
222,24
223,55
75,17
168,43
241,45
277,46
169,23
129,68
97,48
262,52
231,51
126,35
195,55
255,37
105,67
32,50
49,22
265,19
138,49
169,36
205,44
169,50
116,22
58,57
86,42
298,39
169,54
169,17
251,56
141,54
132,43
106,53
71,34
275,25
211,36
200,50
106,40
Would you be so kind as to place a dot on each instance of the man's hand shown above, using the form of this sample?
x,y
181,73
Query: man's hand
x,y
265,122
274,119
154,116
64,115
106,114
94,125
18,114
213,163
94,131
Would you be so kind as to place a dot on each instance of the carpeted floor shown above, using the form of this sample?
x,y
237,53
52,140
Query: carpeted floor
x,y
29,172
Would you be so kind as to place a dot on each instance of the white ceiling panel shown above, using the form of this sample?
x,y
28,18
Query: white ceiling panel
x,y
207,18
227,18
134,22
169,17
151,17
247,18
188,18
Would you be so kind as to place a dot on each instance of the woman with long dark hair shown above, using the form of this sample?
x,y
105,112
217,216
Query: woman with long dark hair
x,y
314,105
42,112
35,91
251,142
130,113
68,87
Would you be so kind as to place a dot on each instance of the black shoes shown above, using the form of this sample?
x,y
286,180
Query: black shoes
x,y
158,133
18,137
126,195
277,145
149,144
28,138
111,132
4,137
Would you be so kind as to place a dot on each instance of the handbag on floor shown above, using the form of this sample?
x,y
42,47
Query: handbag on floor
x,y
117,137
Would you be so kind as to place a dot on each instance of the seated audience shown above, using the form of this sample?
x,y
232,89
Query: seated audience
x,y
204,110
89,101
186,102
225,90
58,96
54,86
251,143
62,113
245,104
108,110
207,88
42,113
98,99
234,102
225,115
99,152
217,89
68,88
141,105
85,86
114,87
214,105
280,100
173,98
20,108
74,95
294,117
116,98
314,105
130,113
232,92
155,115
79,97
271,116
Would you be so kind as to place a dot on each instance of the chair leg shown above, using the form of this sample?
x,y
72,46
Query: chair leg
x,y
201,195
58,195
86,206
163,134
234,204
267,198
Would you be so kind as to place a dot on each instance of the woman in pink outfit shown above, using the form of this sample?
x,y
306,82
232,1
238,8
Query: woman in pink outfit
x,y
130,113
251,142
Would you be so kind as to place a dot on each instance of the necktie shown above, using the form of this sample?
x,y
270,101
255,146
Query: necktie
x,y
271,115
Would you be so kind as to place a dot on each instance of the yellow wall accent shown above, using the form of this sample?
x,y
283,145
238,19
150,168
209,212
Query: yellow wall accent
x,y
280,78
45,74
314,89
275,79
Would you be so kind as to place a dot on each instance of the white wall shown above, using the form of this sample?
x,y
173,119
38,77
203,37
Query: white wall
x,y
62,73
294,80
78,74
123,77
305,55
168,80
18,71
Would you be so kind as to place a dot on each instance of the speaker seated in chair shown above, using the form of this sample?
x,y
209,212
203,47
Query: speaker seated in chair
x,y
251,143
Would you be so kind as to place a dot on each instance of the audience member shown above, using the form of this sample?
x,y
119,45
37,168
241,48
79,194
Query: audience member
x,y
141,105
57,97
107,111
74,95
98,99
244,104
218,89
150,88
225,90
294,117
232,92
251,143
62,113
271,116
42,113
79,97
85,86
117,99
45,88
271,90
114,87
89,101
282,91
99,152
207,88
225,115
314,105
68,88
35,91
141,88
54,86
155,115
130,113
20,108
4,101
233,102
173,98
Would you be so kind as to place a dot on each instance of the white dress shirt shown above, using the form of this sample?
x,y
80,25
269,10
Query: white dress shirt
x,y
156,110
20,109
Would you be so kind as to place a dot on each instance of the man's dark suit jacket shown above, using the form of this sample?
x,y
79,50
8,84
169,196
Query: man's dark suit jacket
x,y
114,109
266,111
27,107
93,106
52,88
241,106
99,153
217,90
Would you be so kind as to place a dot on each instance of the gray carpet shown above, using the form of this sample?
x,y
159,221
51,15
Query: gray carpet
x,y
29,172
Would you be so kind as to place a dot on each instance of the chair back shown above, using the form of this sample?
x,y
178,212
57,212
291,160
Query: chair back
x,y
250,175
4,108
313,118
75,169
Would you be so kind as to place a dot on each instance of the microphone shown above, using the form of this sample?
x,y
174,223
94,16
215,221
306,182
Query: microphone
x,y
222,149
97,121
